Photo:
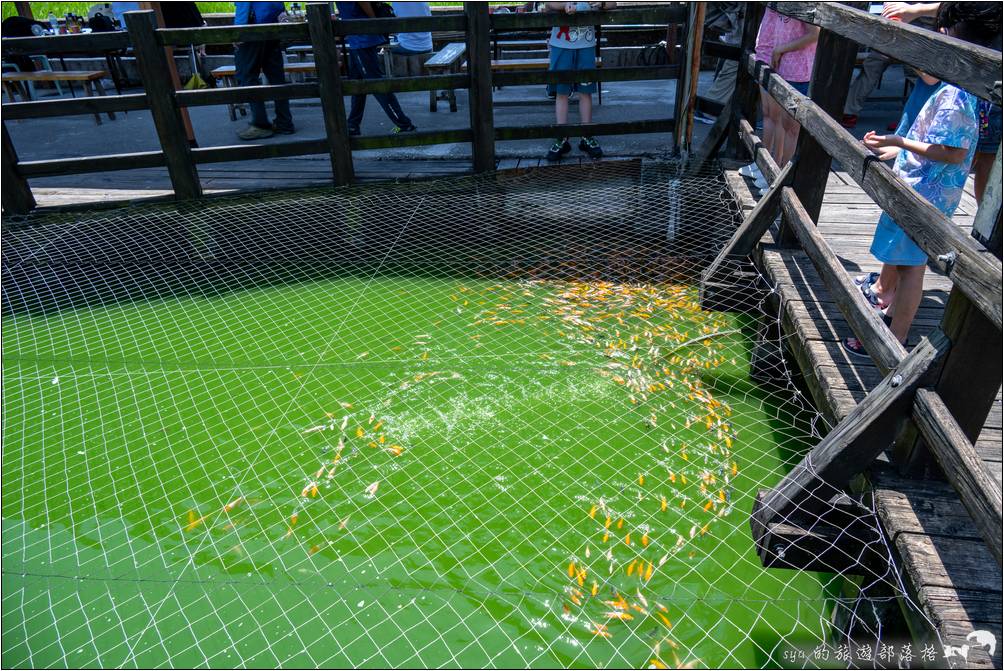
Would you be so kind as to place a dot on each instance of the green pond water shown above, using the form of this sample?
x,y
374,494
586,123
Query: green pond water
x,y
393,471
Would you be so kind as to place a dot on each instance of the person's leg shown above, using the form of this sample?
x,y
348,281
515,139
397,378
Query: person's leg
x,y
561,108
585,107
369,64
907,300
982,162
272,66
358,105
247,65
725,81
867,80
885,286
789,138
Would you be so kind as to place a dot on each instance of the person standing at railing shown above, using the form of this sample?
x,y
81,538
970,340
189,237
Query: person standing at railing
x,y
990,115
573,48
789,47
254,58
933,157
364,63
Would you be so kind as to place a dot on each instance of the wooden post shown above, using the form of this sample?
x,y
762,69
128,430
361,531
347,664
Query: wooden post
x,y
151,61
322,38
17,198
24,10
689,73
479,69
172,68
747,94
831,79
972,374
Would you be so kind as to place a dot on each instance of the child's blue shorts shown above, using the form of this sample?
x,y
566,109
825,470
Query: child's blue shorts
x,y
573,59
891,245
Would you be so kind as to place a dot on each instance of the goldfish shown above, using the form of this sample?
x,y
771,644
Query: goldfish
x,y
665,620
378,425
630,568
620,523
571,569
372,489
627,539
649,572
233,504
606,525
192,521
595,590
599,630
644,540
592,513
314,549
663,504
619,615
360,432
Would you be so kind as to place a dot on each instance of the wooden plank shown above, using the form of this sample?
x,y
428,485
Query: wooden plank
x,y
153,66
106,163
878,340
973,270
35,109
64,44
971,67
17,198
479,58
250,152
831,79
662,13
55,76
330,89
618,74
691,69
754,225
609,128
962,465
854,443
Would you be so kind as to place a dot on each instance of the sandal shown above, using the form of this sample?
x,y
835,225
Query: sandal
x,y
867,278
854,347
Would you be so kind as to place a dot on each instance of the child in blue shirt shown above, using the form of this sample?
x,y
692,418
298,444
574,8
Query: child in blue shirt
x,y
934,157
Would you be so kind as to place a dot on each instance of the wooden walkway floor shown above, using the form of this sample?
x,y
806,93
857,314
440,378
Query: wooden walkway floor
x,y
946,565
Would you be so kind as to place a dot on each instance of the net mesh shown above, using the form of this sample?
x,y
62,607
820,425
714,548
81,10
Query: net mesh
x,y
481,421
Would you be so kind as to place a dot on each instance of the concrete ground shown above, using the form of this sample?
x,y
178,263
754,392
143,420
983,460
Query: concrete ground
x,y
50,138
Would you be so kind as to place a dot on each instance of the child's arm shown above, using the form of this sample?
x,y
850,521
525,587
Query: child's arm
x,y
905,11
933,152
811,35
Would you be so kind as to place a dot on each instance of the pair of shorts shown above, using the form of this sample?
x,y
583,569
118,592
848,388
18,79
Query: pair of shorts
x,y
573,59
990,128
891,245
801,87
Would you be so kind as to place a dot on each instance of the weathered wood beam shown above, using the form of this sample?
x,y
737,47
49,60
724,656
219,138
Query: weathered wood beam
x,y
609,128
728,52
691,69
167,119
831,78
965,471
63,44
768,166
866,322
232,95
843,538
662,13
619,74
17,197
37,109
855,442
329,82
717,136
756,223
479,69
88,164
971,268
974,68
253,152
746,93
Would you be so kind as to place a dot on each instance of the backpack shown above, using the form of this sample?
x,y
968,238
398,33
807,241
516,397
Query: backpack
x,y
383,10
100,23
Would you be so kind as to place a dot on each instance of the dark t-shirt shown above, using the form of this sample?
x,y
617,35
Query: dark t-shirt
x,y
181,15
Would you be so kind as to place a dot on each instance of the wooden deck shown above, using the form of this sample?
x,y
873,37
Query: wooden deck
x,y
946,565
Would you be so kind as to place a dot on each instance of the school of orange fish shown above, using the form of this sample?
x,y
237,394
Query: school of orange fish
x,y
653,341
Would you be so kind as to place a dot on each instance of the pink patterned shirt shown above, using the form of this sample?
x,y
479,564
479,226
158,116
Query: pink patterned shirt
x,y
795,66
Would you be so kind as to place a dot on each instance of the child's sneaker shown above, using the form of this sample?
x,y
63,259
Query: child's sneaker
x,y
410,128
855,348
589,145
560,147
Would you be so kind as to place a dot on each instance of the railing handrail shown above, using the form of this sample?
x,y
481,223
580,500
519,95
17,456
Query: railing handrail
x,y
977,273
974,68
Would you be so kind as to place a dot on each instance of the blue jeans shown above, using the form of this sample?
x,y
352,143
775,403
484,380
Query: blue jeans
x,y
251,59
365,64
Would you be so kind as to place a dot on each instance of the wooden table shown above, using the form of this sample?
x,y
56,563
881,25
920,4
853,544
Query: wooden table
x,y
90,80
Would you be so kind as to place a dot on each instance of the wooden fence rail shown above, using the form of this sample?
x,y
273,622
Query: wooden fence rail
x,y
320,30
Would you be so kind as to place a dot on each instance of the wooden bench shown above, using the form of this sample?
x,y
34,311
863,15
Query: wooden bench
x,y
90,79
446,61
227,74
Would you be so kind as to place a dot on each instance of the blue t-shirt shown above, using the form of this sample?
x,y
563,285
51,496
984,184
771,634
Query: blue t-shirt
x,y
349,11
920,94
413,41
264,12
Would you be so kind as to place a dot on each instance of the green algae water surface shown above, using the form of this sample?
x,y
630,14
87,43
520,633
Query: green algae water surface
x,y
389,471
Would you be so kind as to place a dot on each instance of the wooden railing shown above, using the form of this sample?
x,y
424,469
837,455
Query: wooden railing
x,y
946,385
320,31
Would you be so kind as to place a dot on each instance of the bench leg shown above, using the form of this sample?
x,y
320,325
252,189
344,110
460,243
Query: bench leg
x,y
100,88
88,91
452,95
